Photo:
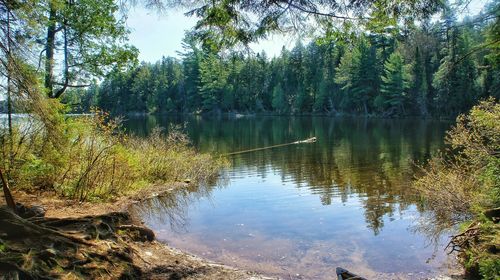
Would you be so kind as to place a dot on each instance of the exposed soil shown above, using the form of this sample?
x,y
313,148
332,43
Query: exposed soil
x,y
94,241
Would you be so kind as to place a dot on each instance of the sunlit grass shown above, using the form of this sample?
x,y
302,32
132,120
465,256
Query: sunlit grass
x,y
94,160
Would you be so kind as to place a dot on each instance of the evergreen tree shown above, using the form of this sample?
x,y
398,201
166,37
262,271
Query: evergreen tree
x,y
419,87
444,73
393,94
213,82
280,103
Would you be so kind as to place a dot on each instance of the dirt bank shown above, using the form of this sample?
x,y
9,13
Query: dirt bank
x,y
94,240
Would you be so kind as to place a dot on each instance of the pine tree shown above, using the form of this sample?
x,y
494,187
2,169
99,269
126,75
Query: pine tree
x,y
393,94
213,82
419,85
280,104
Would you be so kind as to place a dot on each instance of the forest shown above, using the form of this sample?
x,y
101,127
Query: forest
x,y
437,68
69,181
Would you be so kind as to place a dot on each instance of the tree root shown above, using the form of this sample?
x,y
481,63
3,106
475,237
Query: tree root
x,y
464,240
144,233
13,227
52,248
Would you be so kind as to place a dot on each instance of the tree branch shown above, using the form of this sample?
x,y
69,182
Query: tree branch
x,y
302,9
73,86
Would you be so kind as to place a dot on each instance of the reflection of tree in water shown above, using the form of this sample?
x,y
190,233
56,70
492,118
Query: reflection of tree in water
x,y
369,159
171,207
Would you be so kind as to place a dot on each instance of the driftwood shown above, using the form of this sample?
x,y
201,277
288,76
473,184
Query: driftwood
x,y
306,141
469,237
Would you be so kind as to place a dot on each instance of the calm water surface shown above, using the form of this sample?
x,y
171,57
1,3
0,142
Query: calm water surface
x,y
300,211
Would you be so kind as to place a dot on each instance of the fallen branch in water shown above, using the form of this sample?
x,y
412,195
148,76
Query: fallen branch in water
x,y
309,140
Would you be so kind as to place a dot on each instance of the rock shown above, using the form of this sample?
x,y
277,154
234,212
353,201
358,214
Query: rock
x,y
493,214
30,211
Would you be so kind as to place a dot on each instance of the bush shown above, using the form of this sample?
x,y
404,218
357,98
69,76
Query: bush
x,y
460,186
170,157
93,159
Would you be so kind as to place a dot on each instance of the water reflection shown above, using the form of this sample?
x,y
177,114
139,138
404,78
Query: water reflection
x,y
344,200
371,158
170,208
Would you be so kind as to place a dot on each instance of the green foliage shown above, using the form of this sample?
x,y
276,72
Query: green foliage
x,y
81,100
489,268
393,93
381,72
464,185
98,35
225,23
213,78
94,160
280,104
358,76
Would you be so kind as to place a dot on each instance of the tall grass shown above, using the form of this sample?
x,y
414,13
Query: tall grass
x,y
92,159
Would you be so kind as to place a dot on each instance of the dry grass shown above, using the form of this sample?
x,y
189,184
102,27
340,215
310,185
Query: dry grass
x,y
93,159
171,157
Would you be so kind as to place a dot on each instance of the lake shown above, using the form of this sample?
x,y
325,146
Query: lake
x,y
299,211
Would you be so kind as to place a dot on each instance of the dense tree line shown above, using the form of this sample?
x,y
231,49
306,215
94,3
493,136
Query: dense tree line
x,y
437,68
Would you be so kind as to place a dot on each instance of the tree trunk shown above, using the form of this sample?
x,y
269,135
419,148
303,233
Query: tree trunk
x,y
6,192
60,91
9,73
49,51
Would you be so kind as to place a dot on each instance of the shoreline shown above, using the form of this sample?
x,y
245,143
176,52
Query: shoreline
x,y
144,259
147,259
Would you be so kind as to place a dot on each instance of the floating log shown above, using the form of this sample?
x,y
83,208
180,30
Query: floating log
x,y
310,140
306,141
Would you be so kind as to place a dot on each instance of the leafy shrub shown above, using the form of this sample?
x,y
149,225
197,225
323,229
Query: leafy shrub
x,y
461,185
95,160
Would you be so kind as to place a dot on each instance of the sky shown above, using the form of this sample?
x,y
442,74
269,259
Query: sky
x,y
161,35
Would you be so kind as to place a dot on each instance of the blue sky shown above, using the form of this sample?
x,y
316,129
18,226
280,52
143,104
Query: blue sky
x,y
161,35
